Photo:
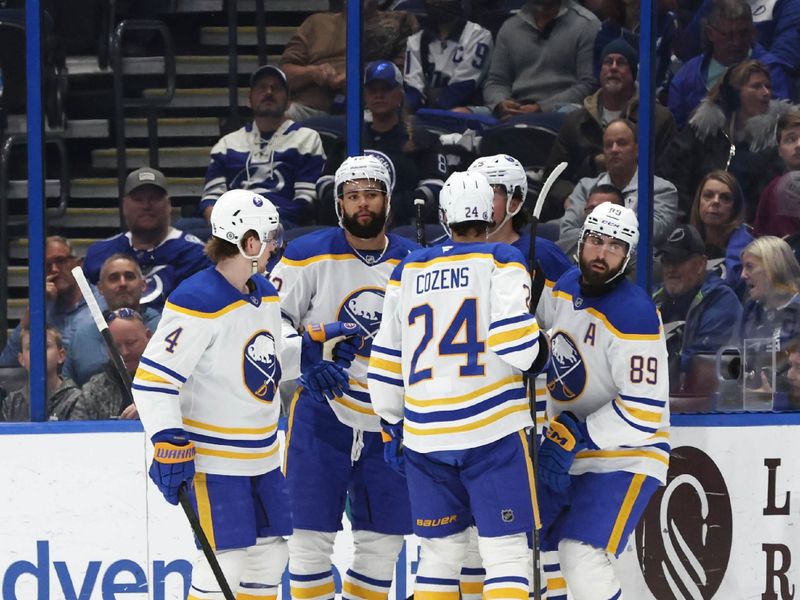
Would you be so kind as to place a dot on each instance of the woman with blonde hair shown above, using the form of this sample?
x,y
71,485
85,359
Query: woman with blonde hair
x,y
718,214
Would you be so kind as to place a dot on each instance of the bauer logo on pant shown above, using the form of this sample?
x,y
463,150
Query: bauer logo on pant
x,y
261,370
566,376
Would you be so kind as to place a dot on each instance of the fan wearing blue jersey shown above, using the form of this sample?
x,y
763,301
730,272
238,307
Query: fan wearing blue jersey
x,y
606,448
446,377
206,392
334,453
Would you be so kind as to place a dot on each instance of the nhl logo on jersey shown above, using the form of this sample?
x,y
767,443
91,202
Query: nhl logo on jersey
x,y
507,515
364,307
566,376
261,370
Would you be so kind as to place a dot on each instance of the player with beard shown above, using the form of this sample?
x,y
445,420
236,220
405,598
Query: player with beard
x,y
606,448
334,450
273,155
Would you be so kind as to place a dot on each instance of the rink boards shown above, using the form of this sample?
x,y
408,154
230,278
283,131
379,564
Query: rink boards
x,y
82,521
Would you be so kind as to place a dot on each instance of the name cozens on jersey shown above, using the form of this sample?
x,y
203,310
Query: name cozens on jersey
x,y
443,279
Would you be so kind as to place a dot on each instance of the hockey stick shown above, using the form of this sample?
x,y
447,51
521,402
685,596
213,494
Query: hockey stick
x,y
119,366
419,205
537,287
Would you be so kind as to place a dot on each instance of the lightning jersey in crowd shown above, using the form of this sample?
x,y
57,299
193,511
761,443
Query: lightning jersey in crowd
x,y
609,368
164,267
284,167
212,368
455,337
447,73
321,278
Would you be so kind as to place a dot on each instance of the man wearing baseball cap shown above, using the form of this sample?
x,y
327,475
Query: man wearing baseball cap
x,y
165,255
272,155
697,308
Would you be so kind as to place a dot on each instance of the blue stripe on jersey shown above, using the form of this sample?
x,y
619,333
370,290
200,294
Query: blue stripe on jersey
x,y
369,580
208,439
310,577
440,416
436,580
518,347
384,350
642,400
471,571
511,578
384,379
161,367
632,424
662,446
510,320
551,568
147,388
360,396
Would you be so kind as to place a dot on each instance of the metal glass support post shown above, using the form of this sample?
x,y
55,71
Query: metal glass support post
x,y
647,62
354,110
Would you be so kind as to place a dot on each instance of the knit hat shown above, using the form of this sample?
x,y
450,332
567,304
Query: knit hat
x,y
620,46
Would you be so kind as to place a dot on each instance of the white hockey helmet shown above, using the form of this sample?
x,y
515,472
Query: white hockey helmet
x,y
613,220
465,196
238,211
355,168
505,170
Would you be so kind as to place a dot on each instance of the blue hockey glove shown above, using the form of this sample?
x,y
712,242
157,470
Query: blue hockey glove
x,y
392,436
326,380
564,438
344,353
173,462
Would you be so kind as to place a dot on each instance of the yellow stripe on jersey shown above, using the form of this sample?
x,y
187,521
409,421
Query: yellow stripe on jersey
x,y
471,587
616,332
430,595
148,376
385,365
513,334
205,315
505,593
234,430
468,426
351,590
393,282
464,397
292,406
204,507
620,454
625,512
320,257
641,414
237,455
243,596
464,257
531,480
353,406
325,590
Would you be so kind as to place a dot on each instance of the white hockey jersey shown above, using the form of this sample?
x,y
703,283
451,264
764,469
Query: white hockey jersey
x,y
322,279
212,368
459,65
609,368
455,336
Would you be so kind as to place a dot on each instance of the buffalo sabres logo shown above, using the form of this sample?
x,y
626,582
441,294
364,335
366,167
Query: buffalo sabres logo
x,y
364,307
260,368
566,376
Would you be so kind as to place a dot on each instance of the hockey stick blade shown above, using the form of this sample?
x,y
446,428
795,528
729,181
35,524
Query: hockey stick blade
x,y
183,496
548,183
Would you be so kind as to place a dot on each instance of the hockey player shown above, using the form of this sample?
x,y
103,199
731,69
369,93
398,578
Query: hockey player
x,y
446,377
334,448
206,394
606,448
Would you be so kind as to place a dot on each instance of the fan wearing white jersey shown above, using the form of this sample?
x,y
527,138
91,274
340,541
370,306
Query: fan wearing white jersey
x,y
446,377
606,449
214,427
334,450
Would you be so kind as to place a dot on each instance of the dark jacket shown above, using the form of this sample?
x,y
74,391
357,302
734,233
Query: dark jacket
x,y
60,403
704,146
580,139
707,324
103,396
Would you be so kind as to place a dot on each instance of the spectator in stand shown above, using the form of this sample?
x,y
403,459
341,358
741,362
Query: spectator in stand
x,y
314,58
697,308
733,129
62,394
121,284
66,308
793,376
777,27
447,61
771,318
621,156
273,155
542,59
718,214
580,139
730,40
104,395
165,255
778,210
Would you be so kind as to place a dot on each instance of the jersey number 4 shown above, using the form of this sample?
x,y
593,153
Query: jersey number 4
x,y
466,320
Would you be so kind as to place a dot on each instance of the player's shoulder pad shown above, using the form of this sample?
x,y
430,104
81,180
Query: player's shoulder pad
x,y
203,294
630,310
264,287
552,258
506,254
329,240
569,281
399,246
